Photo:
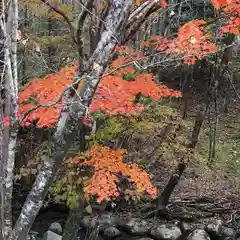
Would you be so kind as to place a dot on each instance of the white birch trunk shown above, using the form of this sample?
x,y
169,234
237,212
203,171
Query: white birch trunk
x,y
1,176
9,29
2,172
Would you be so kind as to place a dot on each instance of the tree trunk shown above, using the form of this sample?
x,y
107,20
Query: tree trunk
x,y
9,28
74,219
2,169
163,199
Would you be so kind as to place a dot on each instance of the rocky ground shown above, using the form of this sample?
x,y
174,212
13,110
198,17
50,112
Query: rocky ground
x,y
108,226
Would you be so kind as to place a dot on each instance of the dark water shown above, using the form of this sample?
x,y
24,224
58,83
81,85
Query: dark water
x,y
47,214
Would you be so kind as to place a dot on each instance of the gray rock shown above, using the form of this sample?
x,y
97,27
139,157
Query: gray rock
x,y
111,232
86,222
31,237
228,233
147,238
186,228
99,237
49,235
198,234
56,227
106,220
137,226
103,221
164,232
214,229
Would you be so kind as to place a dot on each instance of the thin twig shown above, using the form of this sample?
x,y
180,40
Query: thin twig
x,y
81,20
64,16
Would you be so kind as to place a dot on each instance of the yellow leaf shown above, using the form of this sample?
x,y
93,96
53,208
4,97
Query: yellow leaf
x,y
38,47
34,171
126,197
87,182
138,2
88,209
192,40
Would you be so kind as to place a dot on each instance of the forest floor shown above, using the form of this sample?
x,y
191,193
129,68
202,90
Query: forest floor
x,y
206,190
209,189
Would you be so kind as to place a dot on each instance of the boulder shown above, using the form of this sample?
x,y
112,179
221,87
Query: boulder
x,y
111,232
198,234
214,229
186,228
106,220
103,221
228,233
137,226
86,222
49,235
145,238
56,227
164,232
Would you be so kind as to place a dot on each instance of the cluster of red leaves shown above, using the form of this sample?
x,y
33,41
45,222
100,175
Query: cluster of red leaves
x,y
191,43
122,66
161,42
114,95
45,91
108,166
230,8
7,120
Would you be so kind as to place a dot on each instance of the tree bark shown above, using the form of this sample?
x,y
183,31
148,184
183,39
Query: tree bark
x,y
2,172
163,198
9,27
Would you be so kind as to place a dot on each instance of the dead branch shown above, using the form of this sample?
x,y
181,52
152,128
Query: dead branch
x,y
64,16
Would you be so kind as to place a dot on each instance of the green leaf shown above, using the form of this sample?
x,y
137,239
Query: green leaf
x,y
129,77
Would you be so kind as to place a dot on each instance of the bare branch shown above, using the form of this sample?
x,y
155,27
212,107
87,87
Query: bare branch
x,y
64,16
103,16
81,21
139,16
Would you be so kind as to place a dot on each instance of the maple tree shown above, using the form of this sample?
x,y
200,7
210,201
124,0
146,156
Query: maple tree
x,y
108,166
114,95
230,9
118,96
45,91
191,42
